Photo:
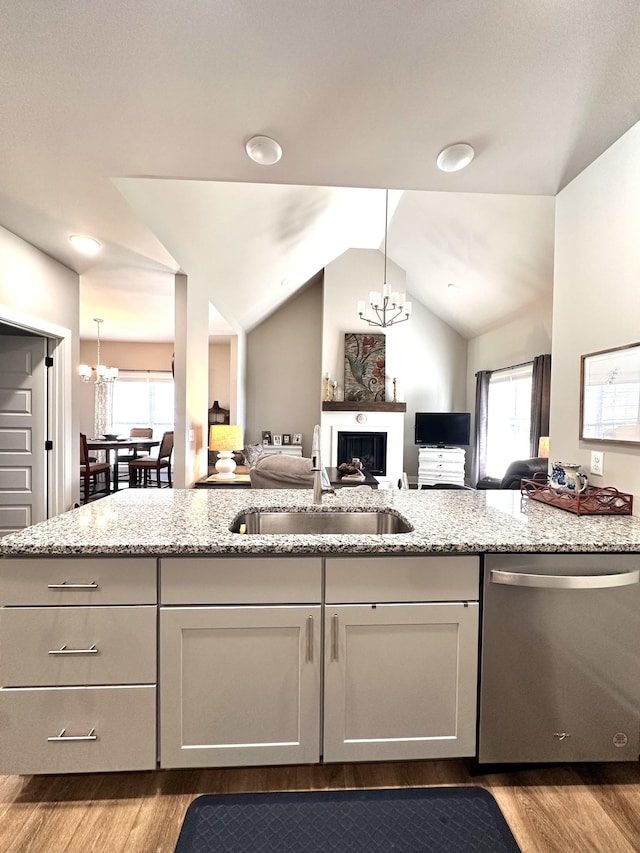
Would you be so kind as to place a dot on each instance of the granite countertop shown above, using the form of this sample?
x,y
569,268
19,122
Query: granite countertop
x,y
196,521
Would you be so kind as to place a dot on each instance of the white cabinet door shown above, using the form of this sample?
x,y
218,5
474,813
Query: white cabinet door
x,y
400,681
239,685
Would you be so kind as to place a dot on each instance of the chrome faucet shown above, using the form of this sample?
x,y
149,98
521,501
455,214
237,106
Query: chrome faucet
x,y
316,467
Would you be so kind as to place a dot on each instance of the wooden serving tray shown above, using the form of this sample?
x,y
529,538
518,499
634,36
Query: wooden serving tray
x,y
593,501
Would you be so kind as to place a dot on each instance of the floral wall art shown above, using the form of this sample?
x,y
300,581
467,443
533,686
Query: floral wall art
x,y
364,363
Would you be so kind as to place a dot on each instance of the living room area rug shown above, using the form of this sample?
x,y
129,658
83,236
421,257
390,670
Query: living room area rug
x,y
403,820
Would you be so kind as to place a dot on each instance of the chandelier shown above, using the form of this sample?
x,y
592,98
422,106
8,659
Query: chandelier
x,y
103,374
387,307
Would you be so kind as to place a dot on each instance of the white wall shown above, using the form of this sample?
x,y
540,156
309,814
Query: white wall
x,y
596,297
191,383
43,295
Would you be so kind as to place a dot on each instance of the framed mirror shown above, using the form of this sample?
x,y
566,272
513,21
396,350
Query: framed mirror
x,y
610,395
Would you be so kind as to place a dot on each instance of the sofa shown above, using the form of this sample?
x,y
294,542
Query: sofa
x,y
518,470
282,472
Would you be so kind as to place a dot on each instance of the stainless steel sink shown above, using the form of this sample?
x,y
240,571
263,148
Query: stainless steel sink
x,y
304,521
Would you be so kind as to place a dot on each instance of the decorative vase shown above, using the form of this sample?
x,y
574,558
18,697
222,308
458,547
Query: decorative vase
x,y
567,477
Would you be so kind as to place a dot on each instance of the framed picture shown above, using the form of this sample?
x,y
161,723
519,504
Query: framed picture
x,y
297,438
286,438
266,436
277,440
364,367
609,390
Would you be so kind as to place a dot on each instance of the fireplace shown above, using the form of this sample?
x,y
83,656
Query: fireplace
x,y
371,429
369,447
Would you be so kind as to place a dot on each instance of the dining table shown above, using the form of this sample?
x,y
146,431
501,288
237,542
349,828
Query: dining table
x,y
114,445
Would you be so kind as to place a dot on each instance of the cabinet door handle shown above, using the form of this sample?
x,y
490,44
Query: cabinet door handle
x,y
67,585
65,737
310,639
63,650
334,637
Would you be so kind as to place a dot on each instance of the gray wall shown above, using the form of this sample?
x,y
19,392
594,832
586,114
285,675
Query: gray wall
x,y
596,302
283,369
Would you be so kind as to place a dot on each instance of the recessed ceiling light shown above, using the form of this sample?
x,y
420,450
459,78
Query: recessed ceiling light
x,y
84,244
455,157
263,150
452,288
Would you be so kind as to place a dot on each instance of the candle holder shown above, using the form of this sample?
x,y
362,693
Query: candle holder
x,y
327,387
394,391
334,389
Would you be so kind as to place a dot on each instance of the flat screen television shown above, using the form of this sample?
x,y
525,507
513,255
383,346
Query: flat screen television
x,y
443,429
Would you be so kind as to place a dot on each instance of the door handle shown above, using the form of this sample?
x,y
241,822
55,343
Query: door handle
x,y
565,581
63,650
62,737
310,639
334,637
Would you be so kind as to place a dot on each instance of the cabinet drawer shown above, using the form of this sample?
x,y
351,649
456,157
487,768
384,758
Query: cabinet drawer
x,y
380,579
77,646
448,455
82,580
436,467
115,729
240,580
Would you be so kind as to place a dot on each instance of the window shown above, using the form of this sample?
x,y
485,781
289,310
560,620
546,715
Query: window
x,y
509,418
142,399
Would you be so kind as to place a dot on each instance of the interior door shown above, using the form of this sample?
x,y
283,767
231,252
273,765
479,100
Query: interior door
x,y
23,424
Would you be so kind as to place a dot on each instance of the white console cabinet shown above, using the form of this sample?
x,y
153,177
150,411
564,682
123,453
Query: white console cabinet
x,y
283,449
440,465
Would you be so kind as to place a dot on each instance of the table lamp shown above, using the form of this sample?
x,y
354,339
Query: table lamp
x,y
543,446
225,438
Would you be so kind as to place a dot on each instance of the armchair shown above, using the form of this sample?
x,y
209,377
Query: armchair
x,y
517,470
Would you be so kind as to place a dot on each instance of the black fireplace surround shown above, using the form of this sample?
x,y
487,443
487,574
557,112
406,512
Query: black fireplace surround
x,y
369,447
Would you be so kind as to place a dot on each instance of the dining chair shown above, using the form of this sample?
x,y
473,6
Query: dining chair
x,y
142,468
91,471
127,454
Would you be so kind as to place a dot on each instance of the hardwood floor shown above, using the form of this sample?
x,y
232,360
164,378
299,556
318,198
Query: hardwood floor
x,y
553,809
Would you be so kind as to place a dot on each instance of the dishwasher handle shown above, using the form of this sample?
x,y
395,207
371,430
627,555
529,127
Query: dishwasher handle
x,y
606,581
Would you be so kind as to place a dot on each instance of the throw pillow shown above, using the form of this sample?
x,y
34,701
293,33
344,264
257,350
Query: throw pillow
x,y
252,452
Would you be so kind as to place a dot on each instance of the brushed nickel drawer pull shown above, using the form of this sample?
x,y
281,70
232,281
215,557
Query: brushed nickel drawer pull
x,y
64,737
310,639
67,585
334,637
63,650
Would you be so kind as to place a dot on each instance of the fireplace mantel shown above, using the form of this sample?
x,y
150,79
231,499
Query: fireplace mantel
x,y
362,406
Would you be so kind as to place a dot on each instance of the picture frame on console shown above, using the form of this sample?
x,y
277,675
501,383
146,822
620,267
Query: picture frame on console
x,y
277,440
286,438
266,436
297,438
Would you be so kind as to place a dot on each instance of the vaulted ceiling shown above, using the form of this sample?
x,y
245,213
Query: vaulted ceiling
x,y
128,122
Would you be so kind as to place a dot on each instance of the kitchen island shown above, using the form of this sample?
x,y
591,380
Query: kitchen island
x,y
139,630
189,521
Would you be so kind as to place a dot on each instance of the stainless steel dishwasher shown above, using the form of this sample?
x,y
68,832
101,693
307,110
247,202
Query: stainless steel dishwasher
x,y
560,671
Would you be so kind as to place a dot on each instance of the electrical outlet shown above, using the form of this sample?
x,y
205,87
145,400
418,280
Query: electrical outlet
x,y
597,462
